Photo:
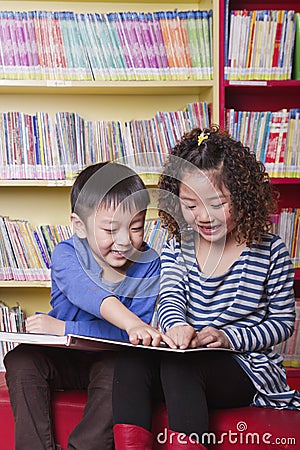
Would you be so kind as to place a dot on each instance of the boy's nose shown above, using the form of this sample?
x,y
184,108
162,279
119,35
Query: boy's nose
x,y
122,238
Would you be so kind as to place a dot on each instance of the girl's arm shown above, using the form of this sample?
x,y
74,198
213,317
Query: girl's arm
x,y
278,324
172,299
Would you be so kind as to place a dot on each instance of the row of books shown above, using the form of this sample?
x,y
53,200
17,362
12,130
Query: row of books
x,y
45,146
260,45
155,235
12,320
290,349
273,136
115,46
287,225
25,250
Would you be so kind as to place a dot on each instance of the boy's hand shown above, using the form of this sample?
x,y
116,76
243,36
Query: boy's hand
x,y
146,335
42,323
210,337
182,335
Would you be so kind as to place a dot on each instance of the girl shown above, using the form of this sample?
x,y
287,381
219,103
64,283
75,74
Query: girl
x,y
226,283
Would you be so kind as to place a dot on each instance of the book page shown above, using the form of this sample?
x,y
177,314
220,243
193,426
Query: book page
x,y
88,343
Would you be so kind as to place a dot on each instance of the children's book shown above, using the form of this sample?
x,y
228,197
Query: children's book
x,y
86,343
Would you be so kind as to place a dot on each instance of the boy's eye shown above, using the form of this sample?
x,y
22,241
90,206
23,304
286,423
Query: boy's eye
x,y
137,228
186,206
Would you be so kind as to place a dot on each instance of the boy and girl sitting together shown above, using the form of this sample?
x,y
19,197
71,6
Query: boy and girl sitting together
x,y
223,281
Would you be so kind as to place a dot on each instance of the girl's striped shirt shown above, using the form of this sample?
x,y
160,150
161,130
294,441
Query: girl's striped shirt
x,y
252,302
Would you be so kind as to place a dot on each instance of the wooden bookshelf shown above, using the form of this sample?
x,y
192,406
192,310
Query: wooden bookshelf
x,y
47,201
261,95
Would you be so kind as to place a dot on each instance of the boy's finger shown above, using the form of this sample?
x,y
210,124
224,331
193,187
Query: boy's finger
x,y
167,340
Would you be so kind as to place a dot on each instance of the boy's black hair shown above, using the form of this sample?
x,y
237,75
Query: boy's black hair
x,y
108,184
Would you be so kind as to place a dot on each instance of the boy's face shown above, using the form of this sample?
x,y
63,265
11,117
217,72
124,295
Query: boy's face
x,y
115,236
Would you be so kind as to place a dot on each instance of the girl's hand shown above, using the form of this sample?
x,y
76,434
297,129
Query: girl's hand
x,y
42,323
182,335
147,335
210,337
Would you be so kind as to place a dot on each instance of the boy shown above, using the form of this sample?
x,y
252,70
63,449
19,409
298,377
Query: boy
x,y
104,284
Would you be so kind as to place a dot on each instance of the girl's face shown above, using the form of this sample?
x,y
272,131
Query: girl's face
x,y
115,236
205,207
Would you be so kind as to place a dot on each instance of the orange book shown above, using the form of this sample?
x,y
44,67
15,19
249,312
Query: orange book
x,y
250,46
167,38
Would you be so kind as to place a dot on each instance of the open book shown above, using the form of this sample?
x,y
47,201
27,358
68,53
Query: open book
x,y
85,342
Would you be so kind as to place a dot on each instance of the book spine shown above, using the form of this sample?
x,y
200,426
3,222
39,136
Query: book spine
x,y
157,31
296,62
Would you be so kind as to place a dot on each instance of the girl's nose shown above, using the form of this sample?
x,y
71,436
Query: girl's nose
x,y
202,215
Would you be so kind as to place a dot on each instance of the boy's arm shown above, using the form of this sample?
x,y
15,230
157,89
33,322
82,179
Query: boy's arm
x,y
43,323
138,331
78,284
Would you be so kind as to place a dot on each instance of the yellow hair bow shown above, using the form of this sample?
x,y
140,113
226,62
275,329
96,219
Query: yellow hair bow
x,y
202,138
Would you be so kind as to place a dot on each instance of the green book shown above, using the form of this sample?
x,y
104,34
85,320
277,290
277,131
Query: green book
x,y
296,65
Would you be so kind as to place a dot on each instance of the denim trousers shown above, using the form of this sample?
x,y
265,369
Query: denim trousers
x,y
33,372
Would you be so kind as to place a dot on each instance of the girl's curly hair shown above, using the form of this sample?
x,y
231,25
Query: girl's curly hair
x,y
230,164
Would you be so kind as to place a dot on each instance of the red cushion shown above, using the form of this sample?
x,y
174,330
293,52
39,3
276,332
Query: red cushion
x,y
235,429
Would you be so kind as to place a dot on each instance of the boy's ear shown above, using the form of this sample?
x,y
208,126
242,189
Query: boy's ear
x,y
78,226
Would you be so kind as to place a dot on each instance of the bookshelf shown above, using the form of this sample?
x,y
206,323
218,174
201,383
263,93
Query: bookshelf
x,y
48,201
261,95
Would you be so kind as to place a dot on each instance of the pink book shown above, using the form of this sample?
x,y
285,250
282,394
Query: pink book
x,y
34,44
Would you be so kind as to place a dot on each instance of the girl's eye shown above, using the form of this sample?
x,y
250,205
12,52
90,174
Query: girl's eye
x,y
219,205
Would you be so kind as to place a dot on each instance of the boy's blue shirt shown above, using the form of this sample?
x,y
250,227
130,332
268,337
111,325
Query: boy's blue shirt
x,y
77,289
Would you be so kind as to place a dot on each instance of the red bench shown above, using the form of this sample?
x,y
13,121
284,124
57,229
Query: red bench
x,y
235,429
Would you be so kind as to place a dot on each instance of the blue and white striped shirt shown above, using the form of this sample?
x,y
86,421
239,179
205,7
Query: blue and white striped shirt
x,y
252,302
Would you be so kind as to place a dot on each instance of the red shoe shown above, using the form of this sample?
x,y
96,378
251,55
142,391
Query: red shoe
x,y
132,437
177,441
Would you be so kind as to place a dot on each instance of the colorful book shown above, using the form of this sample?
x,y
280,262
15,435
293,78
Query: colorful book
x,y
296,62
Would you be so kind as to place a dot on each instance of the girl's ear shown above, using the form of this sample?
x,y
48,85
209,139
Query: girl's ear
x,y
78,226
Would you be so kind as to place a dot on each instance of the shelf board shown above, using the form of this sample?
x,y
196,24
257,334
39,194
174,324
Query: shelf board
x,y
24,284
36,183
261,83
285,180
150,179
167,87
